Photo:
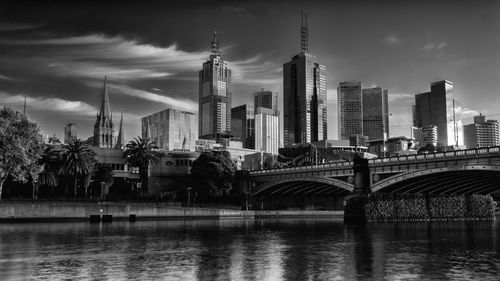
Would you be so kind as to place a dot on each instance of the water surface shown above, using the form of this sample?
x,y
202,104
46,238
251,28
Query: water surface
x,y
298,249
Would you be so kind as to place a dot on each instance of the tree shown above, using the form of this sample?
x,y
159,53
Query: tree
x,y
50,166
21,145
78,160
104,178
212,173
140,153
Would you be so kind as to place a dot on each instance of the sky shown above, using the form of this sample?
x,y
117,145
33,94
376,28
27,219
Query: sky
x,y
56,54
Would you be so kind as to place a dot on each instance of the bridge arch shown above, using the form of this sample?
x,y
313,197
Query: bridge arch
x,y
471,179
303,186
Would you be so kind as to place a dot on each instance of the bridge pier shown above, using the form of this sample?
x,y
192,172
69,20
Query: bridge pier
x,y
354,203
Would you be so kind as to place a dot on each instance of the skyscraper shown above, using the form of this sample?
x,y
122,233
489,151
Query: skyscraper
x,y
431,109
304,96
104,132
214,96
70,131
375,113
481,133
267,128
266,99
243,124
350,109
171,129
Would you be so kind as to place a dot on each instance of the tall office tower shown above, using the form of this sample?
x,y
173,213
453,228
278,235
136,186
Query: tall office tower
x,y
171,129
266,99
215,96
70,132
304,96
267,128
243,124
104,132
350,109
434,108
481,133
375,113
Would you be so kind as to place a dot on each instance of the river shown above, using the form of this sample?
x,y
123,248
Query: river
x,y
288,249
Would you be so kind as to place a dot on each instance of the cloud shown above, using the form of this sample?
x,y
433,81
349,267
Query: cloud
x,y
51,104
96,55
3,77
434,46
391,39
185,104
9,26
255,71
232,9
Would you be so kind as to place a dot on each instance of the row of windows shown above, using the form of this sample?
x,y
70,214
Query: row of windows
x,y
180,162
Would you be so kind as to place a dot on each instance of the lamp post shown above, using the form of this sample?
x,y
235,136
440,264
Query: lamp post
x,y
189,196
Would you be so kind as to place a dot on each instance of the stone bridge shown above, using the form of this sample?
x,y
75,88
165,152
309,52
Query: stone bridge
x,y
471,171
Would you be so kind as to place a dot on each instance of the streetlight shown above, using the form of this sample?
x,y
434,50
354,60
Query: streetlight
x,y
189,196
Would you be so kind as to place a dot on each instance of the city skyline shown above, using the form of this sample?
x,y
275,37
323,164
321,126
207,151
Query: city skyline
x,y
58,61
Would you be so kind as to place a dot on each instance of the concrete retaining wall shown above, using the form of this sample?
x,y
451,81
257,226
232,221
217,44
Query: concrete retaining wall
x,y
19,211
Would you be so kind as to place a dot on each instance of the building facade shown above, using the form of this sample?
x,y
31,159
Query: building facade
x,y
350,109
481,133
425,136
70,132
243,124
375,110
266,99
267,130
214,96
434,109
171,129
304,96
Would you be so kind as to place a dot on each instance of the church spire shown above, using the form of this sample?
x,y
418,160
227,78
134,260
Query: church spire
x,y
104,112
120,141
304,34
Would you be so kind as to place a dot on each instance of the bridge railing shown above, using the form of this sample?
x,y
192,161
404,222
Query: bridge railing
x,y
393,159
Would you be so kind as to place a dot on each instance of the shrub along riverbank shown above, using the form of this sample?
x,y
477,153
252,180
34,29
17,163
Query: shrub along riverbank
x,y
408,207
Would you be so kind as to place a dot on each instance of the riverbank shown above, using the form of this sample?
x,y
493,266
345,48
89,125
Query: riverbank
x,y
76,211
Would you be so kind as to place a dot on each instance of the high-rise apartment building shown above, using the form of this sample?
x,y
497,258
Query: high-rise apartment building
x,y
434,109
304,96
266,99
243,124
215,96
375,110
350,109
171,129
481,133
267,128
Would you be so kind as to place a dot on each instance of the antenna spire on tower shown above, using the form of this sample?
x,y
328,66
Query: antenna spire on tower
x,y
215,45
304,34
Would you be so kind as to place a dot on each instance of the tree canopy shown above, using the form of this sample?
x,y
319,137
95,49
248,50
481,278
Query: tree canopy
x,y
78,161
212,173
21,146
141,152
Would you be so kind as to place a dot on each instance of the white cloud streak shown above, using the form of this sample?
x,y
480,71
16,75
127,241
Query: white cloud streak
x,y
391,39
51,104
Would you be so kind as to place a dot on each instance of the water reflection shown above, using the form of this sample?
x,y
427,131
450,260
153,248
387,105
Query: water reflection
x,y
317,249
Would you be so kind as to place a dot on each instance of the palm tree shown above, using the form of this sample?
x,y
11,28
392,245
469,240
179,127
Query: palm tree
x,y
50,166
78,160
141,152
